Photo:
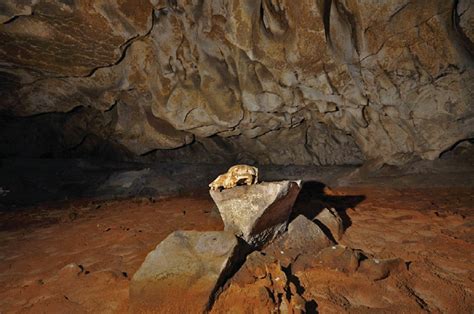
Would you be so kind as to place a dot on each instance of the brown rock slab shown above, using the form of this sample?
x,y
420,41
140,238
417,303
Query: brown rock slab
x,y
339,257
183,273
377,269
336,257
259,212
303,237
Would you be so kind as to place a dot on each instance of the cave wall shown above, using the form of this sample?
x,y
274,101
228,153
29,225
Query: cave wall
x,y
271,81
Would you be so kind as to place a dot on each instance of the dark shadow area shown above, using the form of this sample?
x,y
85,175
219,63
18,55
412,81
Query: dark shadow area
x,y
239,258
311,305
313,199
326,230
32,182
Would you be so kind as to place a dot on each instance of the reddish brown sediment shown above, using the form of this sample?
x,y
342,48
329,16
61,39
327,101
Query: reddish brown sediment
x,y
430,229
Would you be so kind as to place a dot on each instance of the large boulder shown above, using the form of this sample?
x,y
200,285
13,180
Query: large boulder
x,y
257,213
184,273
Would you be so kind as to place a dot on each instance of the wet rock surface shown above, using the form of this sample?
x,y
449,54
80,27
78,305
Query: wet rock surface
x,y
236,81
259,212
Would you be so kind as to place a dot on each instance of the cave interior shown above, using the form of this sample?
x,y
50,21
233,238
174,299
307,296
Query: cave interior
x,y
115,115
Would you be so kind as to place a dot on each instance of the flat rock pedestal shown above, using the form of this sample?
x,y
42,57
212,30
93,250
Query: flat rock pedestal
x,y
183,273
187,270
257,213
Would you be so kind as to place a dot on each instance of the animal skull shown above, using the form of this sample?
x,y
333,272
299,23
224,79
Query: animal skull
x,y
235,175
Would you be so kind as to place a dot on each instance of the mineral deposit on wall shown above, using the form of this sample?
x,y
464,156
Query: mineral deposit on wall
x,y
271,81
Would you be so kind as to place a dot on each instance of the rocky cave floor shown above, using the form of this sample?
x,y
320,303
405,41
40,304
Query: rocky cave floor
x,y
68,256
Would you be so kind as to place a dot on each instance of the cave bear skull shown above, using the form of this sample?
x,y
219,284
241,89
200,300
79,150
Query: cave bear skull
x,y
235,175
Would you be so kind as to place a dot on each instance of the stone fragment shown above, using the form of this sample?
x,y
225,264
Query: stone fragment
x,y
340,258
257,213
254,268
337,257
184,272
303,237
331,219
377,269
261,284
70,271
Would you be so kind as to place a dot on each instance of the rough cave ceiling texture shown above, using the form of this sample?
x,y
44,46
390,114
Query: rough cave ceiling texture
x,y
272,81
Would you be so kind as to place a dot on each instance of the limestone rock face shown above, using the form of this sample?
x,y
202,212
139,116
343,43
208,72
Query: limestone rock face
x,y
317,82
183,273
257,213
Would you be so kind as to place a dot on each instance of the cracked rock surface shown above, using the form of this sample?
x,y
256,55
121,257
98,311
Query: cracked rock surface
x,y
321,82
